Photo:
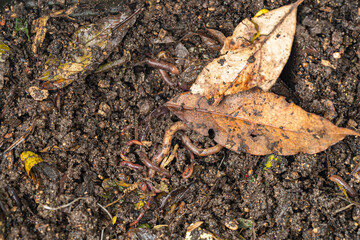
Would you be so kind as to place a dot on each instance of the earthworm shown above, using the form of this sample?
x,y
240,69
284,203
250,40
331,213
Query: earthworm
x,y
200,151
162,65
114,64
153,188
131,142
169,134
337,179
188,171
145,160
143,212
124,157
165,76
131,165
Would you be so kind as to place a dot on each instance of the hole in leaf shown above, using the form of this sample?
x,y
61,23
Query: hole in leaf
x,y
211,133
253,135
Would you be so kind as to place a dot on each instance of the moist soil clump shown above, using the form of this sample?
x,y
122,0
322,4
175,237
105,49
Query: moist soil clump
x,y
81,131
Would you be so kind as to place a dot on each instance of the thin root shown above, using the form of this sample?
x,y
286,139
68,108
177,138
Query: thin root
x,y
63,206
105,210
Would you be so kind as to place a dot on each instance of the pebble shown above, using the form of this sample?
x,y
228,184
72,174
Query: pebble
x,y
104,109
232,224
336,55
104,83
145,106
38,94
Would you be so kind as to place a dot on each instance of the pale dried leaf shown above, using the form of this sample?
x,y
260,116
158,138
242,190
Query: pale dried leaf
x,y
244,65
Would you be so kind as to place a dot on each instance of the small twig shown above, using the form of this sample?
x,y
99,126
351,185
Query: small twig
x,y
112,203
22,138
344,208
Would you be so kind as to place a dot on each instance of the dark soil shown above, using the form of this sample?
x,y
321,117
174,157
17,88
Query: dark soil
x,y
81,138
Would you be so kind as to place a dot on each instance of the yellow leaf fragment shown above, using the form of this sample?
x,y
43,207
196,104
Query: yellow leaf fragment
x,y
261,12
114,220
30,159
140,204
343,190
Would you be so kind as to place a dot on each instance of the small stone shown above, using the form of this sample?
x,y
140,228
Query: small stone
x,y
38,94
327,63
104,110
295,175
145,106
102,124
330,112
104,83
351,123
336,38
336,55
356,214
232,224
162,33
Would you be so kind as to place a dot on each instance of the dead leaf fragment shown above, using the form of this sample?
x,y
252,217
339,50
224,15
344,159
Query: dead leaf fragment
x,y
41,30
243,64
259,123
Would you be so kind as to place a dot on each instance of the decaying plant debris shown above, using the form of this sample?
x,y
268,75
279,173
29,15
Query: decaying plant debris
x,y
86,130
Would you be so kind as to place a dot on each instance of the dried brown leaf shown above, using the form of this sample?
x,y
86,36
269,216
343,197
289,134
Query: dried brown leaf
x,y
259,123
244,65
